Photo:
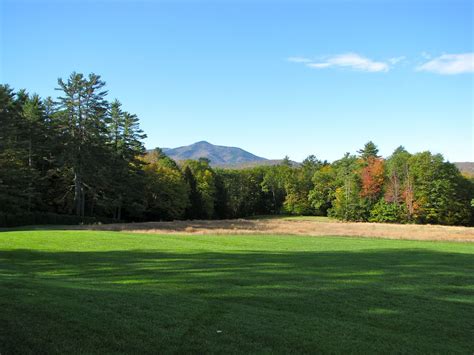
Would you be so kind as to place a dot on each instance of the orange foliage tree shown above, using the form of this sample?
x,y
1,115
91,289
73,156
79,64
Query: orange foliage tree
x,y
372,178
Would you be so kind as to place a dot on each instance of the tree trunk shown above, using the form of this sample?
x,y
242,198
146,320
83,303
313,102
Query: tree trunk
x,y
30,165
78,193
83,202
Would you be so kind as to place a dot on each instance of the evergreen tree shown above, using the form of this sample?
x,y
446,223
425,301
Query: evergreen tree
x,y
221,198
194,209
37,141
83,125
15,175
125,139
369,150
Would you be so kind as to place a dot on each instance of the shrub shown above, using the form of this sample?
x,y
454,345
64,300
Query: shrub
x,y
24,219
390,212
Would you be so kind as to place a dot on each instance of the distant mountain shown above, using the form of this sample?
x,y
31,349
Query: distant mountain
x,y
220,156
466,167
237,158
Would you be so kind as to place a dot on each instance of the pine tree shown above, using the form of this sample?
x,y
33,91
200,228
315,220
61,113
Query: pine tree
x,y
125,139
369,150
38,142
194,210
83,126
14,171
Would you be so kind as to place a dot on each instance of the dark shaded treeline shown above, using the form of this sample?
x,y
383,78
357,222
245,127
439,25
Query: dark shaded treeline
x,y
80,158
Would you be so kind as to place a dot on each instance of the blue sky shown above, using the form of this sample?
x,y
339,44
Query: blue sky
x,y
273,77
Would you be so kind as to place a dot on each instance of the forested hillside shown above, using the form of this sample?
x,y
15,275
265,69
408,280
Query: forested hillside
x,y
466,168
80,158
218,155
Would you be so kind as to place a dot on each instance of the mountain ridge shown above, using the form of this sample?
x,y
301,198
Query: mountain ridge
x,y
219,155
235,157
466,167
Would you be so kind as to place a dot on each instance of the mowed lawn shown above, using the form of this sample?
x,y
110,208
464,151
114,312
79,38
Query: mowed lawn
x,y
91,292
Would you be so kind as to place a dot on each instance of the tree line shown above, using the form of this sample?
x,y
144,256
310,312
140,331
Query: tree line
x,y
81,158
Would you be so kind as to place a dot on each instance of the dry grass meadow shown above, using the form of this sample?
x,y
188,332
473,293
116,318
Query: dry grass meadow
x,y
298,226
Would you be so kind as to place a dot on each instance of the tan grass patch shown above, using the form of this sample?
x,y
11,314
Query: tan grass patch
x,y
298,227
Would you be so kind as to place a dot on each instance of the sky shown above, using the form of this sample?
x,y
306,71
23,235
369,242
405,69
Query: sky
x,y
273,77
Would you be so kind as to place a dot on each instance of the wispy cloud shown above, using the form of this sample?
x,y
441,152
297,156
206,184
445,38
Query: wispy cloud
x,y
299,60
353,61
396,60
426,55
348,60
450,64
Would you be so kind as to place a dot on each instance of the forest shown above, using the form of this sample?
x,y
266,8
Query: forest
x,y
80,158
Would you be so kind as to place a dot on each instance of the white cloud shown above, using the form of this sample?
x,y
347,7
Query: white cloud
x,y
396,60
426,55
318,65
450,64
299,60
351,60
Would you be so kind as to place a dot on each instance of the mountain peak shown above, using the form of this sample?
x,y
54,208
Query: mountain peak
x,y
202,143
218,155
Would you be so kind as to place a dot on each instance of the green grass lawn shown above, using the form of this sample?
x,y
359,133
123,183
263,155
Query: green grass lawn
x,y
109,292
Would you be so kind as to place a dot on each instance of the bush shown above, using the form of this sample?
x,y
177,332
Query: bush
x,y
25,219
387,212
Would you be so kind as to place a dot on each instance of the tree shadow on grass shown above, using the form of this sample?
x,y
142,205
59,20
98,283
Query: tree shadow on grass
x,y
152,301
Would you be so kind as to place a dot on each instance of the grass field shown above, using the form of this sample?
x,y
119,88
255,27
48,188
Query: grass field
x,y
283,225
99,292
